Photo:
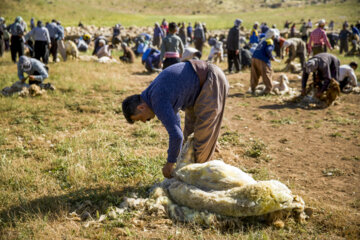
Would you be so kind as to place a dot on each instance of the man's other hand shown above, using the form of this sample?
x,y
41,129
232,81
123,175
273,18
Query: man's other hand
x,y
168,169
31,77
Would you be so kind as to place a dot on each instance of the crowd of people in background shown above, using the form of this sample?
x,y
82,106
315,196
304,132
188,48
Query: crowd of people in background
x,y
172,43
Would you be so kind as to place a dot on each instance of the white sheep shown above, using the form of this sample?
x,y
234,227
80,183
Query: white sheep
x,y
281,87
71,49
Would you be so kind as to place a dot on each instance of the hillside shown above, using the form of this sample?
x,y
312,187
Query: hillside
x,y
216,13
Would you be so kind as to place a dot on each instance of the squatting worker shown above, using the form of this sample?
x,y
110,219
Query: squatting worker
x,y
197,87
36,70
297,48
324,67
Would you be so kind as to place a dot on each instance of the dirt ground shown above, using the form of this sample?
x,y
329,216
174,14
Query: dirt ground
x,y
315,152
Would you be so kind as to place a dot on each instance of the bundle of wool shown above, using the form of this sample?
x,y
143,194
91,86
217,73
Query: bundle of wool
x,y
213,175
106,59
253,199
214,193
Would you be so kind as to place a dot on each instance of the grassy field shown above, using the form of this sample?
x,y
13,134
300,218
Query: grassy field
x,y
145,13
73,145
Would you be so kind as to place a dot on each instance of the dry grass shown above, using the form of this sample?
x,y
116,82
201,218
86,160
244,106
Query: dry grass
x,y
73,145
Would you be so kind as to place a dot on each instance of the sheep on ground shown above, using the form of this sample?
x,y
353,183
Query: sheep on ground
x,y
71,49
281,87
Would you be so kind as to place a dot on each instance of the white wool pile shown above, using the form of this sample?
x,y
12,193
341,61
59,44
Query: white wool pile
x,y
106,59
87,58
356,90
280,87
211,194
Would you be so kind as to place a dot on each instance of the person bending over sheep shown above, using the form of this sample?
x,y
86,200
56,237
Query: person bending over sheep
x,y
37,72
324,67
297,48
197,87
105,50
347,76
128,56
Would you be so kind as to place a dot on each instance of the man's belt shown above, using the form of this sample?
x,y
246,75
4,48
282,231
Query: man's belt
x,y
172,55
201,68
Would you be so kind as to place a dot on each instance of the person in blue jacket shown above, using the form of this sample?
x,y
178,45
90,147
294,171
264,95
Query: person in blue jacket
x,y
151,59
254,36
196,87
261,62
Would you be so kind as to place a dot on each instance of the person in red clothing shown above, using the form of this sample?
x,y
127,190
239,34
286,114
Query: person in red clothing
x,y
318,39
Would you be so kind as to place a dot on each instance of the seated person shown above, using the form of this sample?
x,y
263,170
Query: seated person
x,y
81,45
128,56
347,75
216,52
36,70
105,50
96,44
151,59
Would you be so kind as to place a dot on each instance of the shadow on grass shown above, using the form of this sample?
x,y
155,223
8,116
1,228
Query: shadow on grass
x,y
50,206
53,208
238,95
143,73
288,105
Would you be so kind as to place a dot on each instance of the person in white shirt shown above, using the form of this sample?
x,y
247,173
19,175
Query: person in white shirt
x,y
347,75
105,50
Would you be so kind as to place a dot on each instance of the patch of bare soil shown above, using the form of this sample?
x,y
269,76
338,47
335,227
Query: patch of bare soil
x,y
316,152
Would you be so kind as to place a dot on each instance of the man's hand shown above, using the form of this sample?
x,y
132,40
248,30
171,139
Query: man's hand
x,y
31,77
168,169
237,52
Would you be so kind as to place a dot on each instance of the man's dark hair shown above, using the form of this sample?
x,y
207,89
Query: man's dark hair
x,y
172,27
129,107
353,64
